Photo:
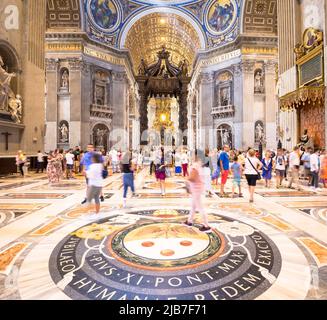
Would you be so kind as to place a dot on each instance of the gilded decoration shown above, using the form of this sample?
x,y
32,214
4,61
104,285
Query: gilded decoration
x,y
151,33
301,96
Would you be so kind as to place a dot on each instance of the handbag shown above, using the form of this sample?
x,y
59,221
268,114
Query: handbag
x,y
258,173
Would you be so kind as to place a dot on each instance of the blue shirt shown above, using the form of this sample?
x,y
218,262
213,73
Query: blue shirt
x,y
87,159
224,158
306,158
236,169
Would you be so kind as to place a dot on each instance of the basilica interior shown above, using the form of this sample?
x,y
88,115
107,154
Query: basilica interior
x,y
134,74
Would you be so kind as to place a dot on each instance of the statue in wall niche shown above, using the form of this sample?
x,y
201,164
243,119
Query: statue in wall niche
x,y
5,89
143,68
16,108
100,137
259,132
64,133
258,82
183,67
225,137
65,79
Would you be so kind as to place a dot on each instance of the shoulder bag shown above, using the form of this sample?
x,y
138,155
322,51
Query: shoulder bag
x,y
258,173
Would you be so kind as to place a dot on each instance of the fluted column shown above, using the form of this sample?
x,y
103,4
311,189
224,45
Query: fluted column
x,y
51,104
206,96
248,104
271,105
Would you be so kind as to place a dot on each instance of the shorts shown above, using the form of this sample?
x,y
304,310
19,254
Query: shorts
x,y
280,173
251,179
237,182
94,193
224,177
70,166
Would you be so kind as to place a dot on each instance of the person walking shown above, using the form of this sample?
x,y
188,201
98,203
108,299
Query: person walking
x,y
252,167
69,156
53,167
280,168
128,176
185,163
178,163
95,181
237,170
294,167
161,172
224,168
20,162
40,162
196,184
152,159
314,169
86,161
267,169
207,175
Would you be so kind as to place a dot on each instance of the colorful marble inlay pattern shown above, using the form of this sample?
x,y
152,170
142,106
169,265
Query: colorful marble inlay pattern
x,y
317,250
112,252
35,196
48,227
15,185
9,256
286,194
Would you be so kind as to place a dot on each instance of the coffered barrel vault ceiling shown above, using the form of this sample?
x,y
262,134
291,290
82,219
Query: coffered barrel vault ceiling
x,y
150,33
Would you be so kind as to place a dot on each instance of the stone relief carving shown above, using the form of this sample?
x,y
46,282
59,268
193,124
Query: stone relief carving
x,y
5,88
259,132
16,108
259,86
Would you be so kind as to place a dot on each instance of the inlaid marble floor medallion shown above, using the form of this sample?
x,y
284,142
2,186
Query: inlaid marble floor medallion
x,y
150,254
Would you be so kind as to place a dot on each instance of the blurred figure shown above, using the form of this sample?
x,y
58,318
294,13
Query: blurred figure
x,y
20,161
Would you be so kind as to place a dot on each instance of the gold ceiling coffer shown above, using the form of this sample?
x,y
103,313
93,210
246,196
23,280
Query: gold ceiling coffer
x,y
310,58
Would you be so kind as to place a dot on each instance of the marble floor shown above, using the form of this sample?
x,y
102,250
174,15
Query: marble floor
x,y
50,247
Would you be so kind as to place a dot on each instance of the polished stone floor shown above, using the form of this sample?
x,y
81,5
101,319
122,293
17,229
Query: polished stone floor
x,y
50,247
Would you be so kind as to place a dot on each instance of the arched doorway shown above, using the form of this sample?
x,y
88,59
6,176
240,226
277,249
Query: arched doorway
x,y
225,136
100,135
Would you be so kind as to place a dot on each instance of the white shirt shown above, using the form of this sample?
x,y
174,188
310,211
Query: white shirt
x,y
280,163
69,158
294,159
314,163
249,170
94,174
184,158
113,155
178,162
40,157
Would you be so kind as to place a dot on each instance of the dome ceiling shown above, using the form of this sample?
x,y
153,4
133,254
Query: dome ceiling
x,y
149,34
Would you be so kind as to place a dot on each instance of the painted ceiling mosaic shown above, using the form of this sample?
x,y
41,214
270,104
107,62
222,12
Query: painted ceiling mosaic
x,y
183,26
217,21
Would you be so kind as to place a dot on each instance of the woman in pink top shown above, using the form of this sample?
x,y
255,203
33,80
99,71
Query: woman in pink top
x,y
196,184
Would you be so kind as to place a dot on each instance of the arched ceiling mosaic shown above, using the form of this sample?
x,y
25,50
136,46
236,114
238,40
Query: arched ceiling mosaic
x,y
149,34
217,21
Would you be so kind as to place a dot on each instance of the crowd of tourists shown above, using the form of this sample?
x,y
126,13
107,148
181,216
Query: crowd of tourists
x,y
203,170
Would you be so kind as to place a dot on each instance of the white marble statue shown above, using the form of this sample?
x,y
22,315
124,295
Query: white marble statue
x,y
258,78
5,90
259,132
16,108
100,137
225,138
64,132
65,79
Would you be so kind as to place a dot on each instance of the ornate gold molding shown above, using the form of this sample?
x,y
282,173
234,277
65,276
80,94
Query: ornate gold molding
x,y
256,50
55,46
104,56
301,96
